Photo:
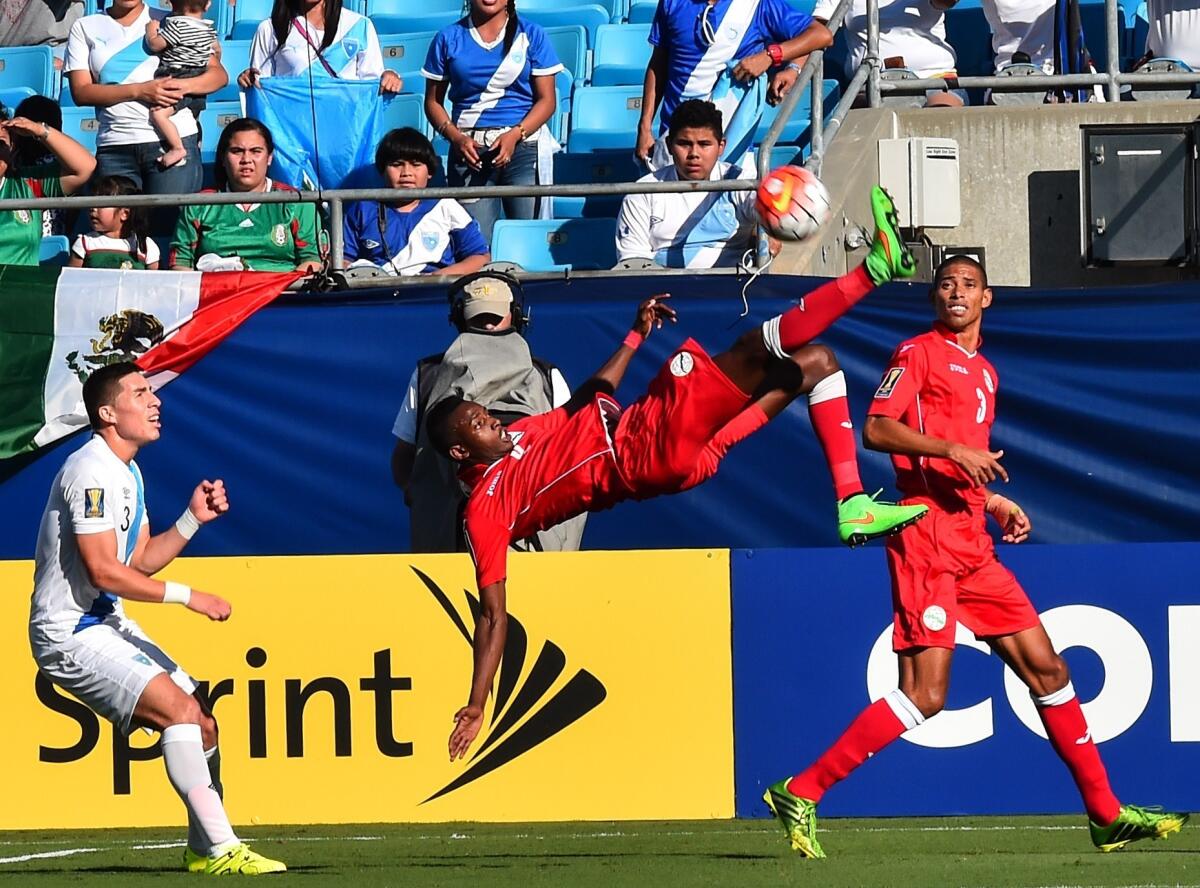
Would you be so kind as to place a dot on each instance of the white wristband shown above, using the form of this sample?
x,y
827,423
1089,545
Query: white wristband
x,y
187,525
176,593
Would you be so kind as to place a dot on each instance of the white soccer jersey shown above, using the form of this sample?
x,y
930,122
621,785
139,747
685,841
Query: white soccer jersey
x,y
1022,26
702,229
353,55
915,31
116,55
94,491
1174,30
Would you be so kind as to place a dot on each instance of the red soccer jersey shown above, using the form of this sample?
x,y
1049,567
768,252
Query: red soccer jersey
x,y
935,386
559,467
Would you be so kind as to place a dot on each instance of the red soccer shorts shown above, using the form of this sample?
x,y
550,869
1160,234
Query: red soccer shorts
x,y
661,435
944,570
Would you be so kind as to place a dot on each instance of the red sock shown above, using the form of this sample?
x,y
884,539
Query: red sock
x,y
876,727
829,413
800,325
1072,740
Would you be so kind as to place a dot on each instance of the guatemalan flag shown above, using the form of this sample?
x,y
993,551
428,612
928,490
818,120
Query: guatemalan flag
x,y
325,129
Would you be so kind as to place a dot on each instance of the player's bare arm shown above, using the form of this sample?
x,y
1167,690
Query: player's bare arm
x,y
892,436
1015,525
98,551
491,631
153,553
651,315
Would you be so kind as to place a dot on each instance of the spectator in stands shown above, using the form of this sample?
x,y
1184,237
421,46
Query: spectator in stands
x,y
700,47
246,236
108,67
1024,28
21,230
318,38
34,160
1174,31
499,71
690,229
414,236
911,35
184,43
489,362
118,238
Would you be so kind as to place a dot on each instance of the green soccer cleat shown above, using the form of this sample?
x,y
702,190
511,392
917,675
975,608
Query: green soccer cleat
x,y
193,862
1134,823
798,816
889,258
241,861
862,518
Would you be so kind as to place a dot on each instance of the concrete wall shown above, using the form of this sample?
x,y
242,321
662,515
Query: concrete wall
x,y
1020,187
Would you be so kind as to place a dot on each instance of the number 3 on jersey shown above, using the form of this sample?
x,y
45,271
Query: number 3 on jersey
x,y
981,413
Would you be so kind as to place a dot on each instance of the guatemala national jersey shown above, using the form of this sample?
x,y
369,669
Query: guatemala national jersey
x,y
703,229
95,491
431,236
742,28
353,55
487,87
21,230
117,55
935,386
560,466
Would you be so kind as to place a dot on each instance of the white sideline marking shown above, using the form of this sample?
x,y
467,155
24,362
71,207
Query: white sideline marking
x,y
66,852
158,846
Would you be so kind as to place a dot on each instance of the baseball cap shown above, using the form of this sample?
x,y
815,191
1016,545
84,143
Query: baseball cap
x,y
487,295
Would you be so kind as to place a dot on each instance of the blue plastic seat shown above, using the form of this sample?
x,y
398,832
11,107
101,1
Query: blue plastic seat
x,y
613,9
597,167
54,250
795,131
604,117
556,244
405,54
220,13
400,7
247,15
642,11
12,96
571,46
235,58
621,55
214,118
412,22
589,15
405,109
82,126
31,67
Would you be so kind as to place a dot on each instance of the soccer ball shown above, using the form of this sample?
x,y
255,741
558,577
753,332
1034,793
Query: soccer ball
x,y
792,203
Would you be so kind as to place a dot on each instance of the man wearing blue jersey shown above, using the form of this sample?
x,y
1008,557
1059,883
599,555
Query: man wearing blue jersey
x,y
409,237
719,50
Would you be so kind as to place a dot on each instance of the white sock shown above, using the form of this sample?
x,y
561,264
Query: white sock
x,y
187,769
832,386
197,840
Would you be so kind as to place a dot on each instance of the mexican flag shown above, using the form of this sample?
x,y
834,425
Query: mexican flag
x,y
58,325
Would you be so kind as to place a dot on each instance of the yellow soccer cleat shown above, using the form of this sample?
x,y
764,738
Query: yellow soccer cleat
x,y
241,861
193,862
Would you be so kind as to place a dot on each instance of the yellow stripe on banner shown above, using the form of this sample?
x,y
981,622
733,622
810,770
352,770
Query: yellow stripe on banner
x,y
337,677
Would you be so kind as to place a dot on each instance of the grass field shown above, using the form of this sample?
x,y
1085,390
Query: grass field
x,y
975,851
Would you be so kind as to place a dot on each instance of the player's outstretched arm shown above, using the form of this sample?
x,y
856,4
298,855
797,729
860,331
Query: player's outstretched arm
x,y
491,631
153,553
650,316
892,436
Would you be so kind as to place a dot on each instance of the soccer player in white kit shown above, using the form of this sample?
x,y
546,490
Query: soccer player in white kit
x,y
94,548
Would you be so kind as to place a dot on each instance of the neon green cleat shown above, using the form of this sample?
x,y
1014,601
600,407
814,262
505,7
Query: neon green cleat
x,y
889,258
193,862
798,816
1134,823
862,518
241,861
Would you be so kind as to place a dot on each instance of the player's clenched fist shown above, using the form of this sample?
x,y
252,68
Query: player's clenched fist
x,y
209,500
212,606
467,722
652,313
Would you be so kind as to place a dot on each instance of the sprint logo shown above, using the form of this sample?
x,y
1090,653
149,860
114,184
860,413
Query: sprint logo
x,y
548,713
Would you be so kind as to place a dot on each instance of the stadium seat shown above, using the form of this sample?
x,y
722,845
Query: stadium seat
x,y
12,96
247,15
54,251
235,58
590,15
213,119
1095,33
556,244
969,33
594,168
621,55
412,16
614,9
642,11
82,126
31,67
795,131
219,12
805,6
405,109
405,54
604,117
398,7
571,46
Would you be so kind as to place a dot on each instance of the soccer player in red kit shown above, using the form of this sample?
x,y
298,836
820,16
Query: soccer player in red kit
x,y
933,413
591,453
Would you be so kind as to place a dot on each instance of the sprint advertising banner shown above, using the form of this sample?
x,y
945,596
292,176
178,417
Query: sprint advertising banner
x,y
336,679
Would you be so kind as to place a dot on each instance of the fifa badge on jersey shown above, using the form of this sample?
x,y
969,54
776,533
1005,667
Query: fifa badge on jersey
x,y
23,216
888,385
430,240
279,235
351,47
93,502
